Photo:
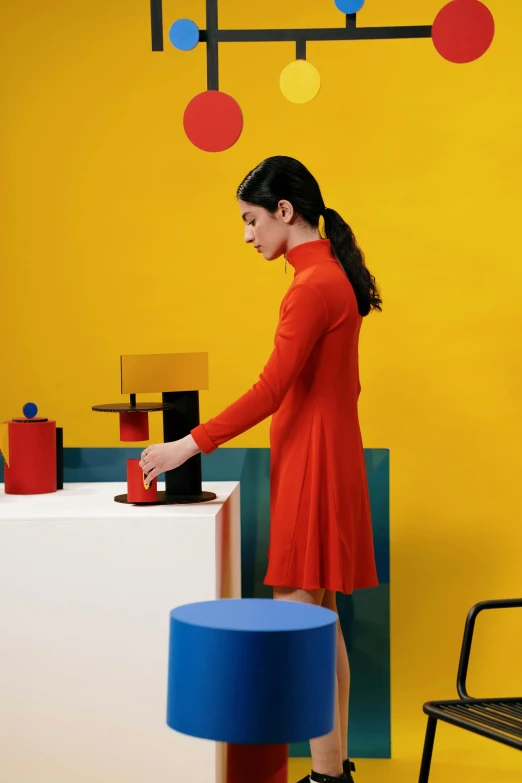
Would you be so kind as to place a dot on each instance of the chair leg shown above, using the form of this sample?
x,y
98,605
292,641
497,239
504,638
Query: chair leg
x,y
428,750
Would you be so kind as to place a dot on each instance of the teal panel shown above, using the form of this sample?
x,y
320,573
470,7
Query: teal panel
x,y
365,616
365,620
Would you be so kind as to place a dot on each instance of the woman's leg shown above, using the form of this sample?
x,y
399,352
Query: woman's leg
x,y
327,758
343,675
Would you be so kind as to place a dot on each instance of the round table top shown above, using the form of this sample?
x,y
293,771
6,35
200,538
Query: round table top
x,y
254,615
140,407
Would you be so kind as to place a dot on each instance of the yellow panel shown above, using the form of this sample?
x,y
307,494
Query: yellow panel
x,y
4,441
164,372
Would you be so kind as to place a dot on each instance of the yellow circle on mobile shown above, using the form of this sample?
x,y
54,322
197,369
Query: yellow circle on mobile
x,y
300,81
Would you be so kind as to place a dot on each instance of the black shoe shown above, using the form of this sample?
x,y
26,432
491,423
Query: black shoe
x,y
348,768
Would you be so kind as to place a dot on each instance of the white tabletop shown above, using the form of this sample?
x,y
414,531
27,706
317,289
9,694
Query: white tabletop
x,y
96,500
86,589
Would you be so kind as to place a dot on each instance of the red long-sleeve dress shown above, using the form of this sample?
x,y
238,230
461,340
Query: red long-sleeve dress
x,y
320,525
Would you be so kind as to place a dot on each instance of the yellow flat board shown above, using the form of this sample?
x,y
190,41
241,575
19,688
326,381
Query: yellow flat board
x,y
164,372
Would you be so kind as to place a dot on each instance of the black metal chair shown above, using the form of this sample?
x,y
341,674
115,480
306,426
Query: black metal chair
x,y
496,719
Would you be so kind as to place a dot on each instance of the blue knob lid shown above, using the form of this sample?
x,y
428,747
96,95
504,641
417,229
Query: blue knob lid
x,y
30,410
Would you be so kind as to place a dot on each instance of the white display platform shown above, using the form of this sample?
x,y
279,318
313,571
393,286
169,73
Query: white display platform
x,y
86,588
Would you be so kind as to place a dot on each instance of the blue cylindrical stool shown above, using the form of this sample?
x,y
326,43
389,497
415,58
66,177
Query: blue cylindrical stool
x,y
252,672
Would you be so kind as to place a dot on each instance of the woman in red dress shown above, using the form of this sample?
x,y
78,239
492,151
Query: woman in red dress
x,y
321,538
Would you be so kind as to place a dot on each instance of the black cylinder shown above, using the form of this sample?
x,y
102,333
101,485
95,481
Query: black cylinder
x,y
59,458
178,423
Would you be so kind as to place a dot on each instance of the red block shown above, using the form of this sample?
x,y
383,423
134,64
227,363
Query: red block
x,y
137,490
134,426
32,458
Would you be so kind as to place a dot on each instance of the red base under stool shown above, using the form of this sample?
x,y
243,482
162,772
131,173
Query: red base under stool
x,y
257,764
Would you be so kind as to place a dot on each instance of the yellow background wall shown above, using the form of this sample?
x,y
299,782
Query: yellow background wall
x,y
118,236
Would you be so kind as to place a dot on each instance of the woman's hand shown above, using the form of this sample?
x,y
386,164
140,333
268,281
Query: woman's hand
x,y
160,457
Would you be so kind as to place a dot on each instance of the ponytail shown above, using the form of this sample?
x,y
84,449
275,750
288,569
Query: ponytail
x,y
351,258
281,177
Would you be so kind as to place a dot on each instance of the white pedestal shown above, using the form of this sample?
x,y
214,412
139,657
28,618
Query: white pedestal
x,y
86,588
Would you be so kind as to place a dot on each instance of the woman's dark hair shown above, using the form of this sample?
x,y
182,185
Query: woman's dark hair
x,y
282,178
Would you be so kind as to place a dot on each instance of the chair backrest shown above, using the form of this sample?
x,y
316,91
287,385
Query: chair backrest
x,y
507,603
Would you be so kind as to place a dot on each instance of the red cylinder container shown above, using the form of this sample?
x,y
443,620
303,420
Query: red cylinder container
x,y
134,426
32,457
137,490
